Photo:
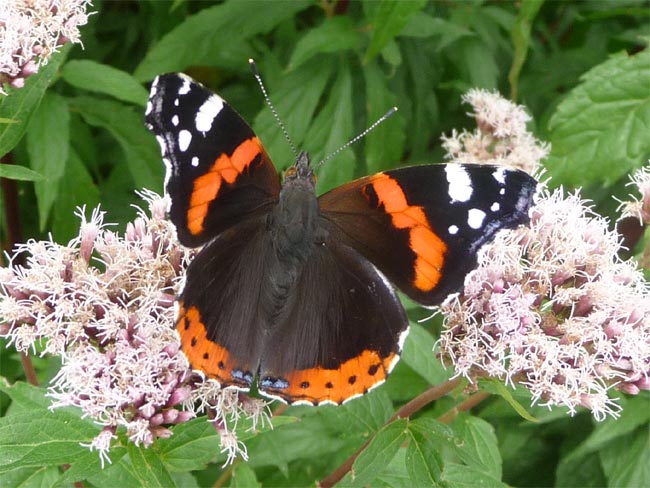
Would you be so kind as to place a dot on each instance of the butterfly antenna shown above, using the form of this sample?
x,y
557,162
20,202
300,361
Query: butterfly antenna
x,y
267,99
360,136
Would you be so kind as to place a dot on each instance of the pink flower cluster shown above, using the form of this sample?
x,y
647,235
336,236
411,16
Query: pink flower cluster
x,y
32,30
104,304
550,307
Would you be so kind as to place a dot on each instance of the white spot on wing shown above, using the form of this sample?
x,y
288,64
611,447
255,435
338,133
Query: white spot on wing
x,y
185,87
453,229
460,184
475,218
175,120
402,338
499,174
149,106
184,139
495,207
207,113
195,161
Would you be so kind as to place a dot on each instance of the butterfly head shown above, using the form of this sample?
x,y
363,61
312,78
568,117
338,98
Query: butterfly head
x,y
301,171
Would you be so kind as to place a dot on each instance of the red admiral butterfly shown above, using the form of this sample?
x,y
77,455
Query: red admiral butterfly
x,y
292,290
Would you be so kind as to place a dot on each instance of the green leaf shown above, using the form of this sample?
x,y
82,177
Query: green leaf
x,y
96,77
21,103
331,129
477,63
24,395
126,126
423,25
76,189
215,36
635,412
335,34
297,93
423,460
418,354
384,145
17,172
39,438
388,20
377,455
243,476
140,467
599,133
193,445
520,35
33,477
625,460
479,448
496,387
461,476
48,143
88,465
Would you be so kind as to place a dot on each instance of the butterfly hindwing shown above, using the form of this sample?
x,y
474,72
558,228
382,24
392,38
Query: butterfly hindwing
x,y
342,333
219,322
218,173
422,226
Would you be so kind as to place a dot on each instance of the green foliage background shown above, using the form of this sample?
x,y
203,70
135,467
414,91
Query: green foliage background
x,y
76,134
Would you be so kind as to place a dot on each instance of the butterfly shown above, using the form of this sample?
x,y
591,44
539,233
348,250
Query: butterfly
x,y
294,293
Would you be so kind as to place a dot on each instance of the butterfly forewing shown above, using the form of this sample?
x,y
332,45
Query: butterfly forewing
x,y
423,225
218,173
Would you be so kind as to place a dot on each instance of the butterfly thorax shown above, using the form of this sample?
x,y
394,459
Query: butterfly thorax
x,y
295,234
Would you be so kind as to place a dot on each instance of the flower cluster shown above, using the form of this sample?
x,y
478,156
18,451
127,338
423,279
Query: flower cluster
x,y
104,304
551,307
639,208
501,136
32,30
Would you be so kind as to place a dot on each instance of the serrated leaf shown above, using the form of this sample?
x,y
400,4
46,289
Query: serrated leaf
x,y
126,125
383,146
96,77
17,172
423,461
388,20
41,438
335,34
243,476
21,103
377,455
418,354
599,132
193,445
479,449
76,189
495,387
331,129
48,143
215,36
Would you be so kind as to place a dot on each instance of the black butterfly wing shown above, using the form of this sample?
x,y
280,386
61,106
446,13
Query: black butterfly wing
x,y
220,322
423,226
342,333
218,173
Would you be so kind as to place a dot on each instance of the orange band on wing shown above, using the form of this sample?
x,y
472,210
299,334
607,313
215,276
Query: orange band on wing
x,y
202,353
424,242
354,377
225,168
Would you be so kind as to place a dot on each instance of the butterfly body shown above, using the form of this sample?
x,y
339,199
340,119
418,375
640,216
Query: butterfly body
x,y
295,291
